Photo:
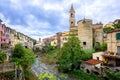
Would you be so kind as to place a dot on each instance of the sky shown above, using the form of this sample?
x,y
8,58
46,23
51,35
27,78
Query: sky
x,y
44,18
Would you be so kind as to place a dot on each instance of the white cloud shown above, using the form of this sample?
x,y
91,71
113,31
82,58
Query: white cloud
x,y
35,2
34,23
2,17
16,4
53,7
97,10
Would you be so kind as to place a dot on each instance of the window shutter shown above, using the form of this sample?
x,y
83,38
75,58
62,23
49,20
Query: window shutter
x,y
117,36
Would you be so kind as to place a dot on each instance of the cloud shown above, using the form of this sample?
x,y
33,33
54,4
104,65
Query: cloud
x,y
100,10
42,18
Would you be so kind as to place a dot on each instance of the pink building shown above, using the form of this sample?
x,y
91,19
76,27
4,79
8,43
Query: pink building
x,y
47,41
3,37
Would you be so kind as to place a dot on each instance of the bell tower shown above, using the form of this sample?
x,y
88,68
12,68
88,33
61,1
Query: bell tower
x,y
72,17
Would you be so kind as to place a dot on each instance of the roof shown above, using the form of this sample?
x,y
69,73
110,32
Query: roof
x,y
93,61
115,30
72,9
84,20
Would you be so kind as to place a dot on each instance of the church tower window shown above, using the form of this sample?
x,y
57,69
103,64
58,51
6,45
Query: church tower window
x,y
72,15
71,23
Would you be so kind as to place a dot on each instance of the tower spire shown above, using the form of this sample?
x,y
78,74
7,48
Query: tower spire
x,y
72,17
72,8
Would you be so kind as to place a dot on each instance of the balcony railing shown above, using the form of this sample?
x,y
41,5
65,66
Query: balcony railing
x,y
112,55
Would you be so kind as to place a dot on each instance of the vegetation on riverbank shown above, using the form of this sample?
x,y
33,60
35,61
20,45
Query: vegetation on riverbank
x,y
2,57
24,59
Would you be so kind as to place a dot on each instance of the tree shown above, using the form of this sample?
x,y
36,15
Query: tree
x,y
47,49
28,59
81,75
117,25
104,46
22,56
97,47
70,54
46,76
18,51
107,29
2,57
113,75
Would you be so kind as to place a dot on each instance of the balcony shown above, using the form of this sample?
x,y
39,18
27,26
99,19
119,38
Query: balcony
x,y
111,55
113,69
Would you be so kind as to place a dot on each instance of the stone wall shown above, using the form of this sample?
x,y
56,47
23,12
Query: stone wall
x,y
85,33
98,33
112,43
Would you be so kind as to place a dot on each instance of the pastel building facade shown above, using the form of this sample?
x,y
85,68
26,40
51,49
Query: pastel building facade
x,y
4,37
10,37
52,40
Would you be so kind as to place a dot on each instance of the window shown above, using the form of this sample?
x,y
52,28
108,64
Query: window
x,y
71,15
101,64
71,23
84,43
117,36
7,35
118,49
97,58
65,38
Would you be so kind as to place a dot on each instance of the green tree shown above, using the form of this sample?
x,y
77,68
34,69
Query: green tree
x,y
97,47
2,57
22,56
81,75
18,51
107,29
117,25
46,76
28,59
104,46
113,75
70,54
47,49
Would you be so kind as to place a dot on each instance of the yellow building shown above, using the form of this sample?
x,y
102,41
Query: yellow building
x,y
54,42
109,25
16,39
64,38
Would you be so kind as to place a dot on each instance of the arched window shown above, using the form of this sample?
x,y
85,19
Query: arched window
x,y
72,15
71,23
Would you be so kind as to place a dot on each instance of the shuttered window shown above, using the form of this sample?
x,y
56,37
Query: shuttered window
x,y
117,36
118,49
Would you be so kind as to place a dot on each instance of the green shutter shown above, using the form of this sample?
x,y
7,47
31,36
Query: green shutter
x,y
117,36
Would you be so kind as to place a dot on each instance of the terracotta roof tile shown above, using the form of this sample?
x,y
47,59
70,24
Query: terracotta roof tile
x,y
93,61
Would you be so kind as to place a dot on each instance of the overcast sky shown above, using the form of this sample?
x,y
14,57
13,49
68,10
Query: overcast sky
x,y
43,18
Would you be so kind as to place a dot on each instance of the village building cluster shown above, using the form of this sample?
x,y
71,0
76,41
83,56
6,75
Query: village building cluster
x,y
90,34
10,37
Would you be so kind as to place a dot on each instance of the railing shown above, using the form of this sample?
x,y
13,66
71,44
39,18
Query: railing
x,y
111,55
115,68
7,67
